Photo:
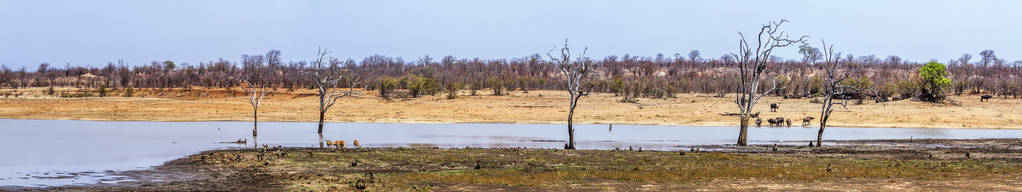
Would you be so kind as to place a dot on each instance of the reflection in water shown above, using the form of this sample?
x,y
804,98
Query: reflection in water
x,y
60,146
320,140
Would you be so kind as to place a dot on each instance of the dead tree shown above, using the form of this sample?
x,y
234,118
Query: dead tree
x,y
327,79
832,88
256,95
576,71
752,62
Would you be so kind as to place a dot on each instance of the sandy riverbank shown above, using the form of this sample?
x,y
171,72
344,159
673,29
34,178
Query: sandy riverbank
x,y
545,106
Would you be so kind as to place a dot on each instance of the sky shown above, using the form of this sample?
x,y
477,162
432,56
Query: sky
x,y
94,33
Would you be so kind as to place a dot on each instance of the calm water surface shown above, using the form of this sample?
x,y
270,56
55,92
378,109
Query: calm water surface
x,y
63,152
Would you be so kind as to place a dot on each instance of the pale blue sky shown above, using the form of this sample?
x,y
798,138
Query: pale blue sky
x,y
189,31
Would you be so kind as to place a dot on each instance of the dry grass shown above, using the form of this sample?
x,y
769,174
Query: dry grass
x,y
518,107
404,169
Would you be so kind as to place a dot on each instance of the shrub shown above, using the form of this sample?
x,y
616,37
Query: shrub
x,y
658,93
907,89
101,90
129,92
497,85
387,86
452,90
934,76
418,85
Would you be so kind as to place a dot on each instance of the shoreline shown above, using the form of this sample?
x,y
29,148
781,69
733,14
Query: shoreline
x,y
903,163
512,123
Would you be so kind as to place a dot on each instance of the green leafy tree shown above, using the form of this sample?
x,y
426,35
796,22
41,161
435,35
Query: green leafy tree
x,y
934,76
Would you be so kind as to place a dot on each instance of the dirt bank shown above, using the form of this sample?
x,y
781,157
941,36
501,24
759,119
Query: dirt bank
x,y
891,165
518,107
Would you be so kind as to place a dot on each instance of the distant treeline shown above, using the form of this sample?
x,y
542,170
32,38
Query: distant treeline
x,y
631,76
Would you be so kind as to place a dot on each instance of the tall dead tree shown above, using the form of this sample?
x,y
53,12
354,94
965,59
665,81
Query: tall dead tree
x,y
327,79
256,95
752,62
832,88
576,70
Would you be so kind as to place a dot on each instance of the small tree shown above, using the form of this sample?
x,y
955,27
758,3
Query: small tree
x,y
452,90
752,62
387,86
832,88
934,76
327,78
101,90
256,95
576,72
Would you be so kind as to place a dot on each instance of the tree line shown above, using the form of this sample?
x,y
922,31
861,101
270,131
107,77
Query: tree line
x,y
628,76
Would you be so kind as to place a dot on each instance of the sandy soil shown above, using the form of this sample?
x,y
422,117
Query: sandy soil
x,y
518,107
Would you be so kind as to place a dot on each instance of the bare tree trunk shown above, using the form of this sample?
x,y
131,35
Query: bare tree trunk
x,y
831,89
571,129
751,63
321,113
320,140
575,72
743,134
255,121
819,136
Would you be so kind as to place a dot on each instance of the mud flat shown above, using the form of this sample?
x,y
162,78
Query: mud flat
x,y
865,165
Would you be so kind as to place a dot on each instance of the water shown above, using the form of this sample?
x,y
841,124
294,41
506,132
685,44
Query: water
x,y
65,152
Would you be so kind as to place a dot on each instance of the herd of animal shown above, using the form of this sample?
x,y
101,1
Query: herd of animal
x,y
779,121
340,144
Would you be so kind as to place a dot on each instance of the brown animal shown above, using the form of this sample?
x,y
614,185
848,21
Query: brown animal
x,y
985,97
355,142
759,122
807,120
774,107
778,121
788,121
339,144
755,115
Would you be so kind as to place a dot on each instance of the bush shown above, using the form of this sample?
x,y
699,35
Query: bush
x,y
497,85
616,86
934,76
452,90
129,92
387,86
101,90
658,93
907,89
627,99
418,85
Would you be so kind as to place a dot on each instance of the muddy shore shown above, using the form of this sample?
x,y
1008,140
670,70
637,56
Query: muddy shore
x,y
865,165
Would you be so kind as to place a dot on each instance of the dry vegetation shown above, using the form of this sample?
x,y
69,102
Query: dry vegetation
x,y
516,107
